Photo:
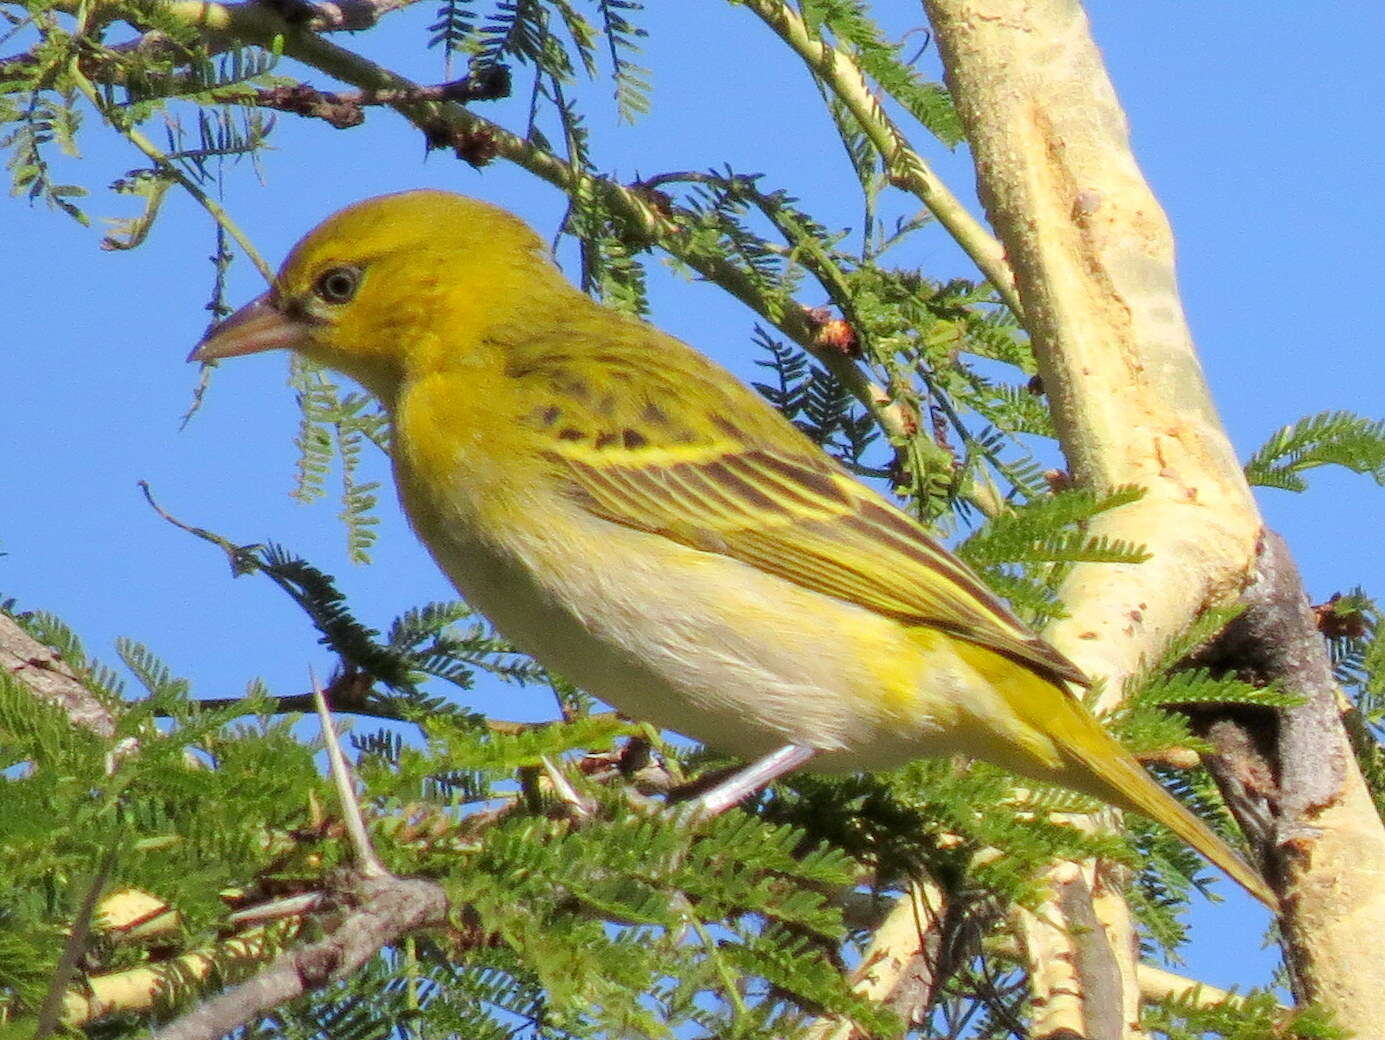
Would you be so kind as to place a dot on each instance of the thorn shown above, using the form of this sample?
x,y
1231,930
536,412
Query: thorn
x,y
291,906
370,865
566,792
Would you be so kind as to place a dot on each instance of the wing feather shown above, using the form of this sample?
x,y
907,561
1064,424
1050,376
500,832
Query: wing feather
x,y
805,520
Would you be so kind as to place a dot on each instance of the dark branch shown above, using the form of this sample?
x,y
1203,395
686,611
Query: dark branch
x,y
1291,760
1096,963
107,64
347,108
1276,768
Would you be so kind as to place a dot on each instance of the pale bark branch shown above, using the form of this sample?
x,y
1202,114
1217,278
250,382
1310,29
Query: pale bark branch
x,y
386,910
51,679
1093,260
1158,984
904,963
142,989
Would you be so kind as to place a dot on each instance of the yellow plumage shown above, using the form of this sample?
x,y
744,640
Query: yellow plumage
x,y
630,514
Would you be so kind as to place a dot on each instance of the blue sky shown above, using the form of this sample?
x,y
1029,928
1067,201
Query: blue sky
x,y
1258,126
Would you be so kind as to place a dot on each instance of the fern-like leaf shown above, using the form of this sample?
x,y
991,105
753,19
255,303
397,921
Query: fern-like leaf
x,y
1326,439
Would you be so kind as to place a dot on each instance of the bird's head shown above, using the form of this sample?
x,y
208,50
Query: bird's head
x,y
389,285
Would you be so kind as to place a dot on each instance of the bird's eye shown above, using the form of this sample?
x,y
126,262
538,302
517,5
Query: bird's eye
x,y
338,284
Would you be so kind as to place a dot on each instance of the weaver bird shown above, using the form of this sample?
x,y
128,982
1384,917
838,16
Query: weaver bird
x,y
642,523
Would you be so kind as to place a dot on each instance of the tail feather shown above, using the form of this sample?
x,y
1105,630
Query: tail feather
x,y
1045,733
1105,769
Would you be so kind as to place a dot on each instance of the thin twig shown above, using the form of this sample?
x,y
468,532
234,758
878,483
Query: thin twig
x,y
50,1013
278,909
906,168
562,786
343,109
170,170
902,968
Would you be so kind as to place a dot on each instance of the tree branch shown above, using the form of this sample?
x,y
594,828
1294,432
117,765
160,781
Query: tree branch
x,y
1079,985
907,169
347,109
1158,984
1155,983
384,911
1295,786
51,679
904,963
105,64
141,989
1093,260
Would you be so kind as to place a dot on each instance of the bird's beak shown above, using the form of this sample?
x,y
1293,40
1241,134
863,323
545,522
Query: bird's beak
x,y
258,326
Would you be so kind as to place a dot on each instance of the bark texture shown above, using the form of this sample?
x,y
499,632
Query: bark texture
x,y
49,678
1293,781
904,963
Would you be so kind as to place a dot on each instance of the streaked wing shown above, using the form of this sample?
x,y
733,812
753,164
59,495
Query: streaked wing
x,y
800,517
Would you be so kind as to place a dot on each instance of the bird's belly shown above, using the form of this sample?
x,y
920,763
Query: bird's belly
x,y
707,646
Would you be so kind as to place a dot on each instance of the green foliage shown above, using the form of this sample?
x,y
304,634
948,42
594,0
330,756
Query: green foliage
x,y
1351,623
913,335
1256,1015
337,427
552,39
1026,551
1037,531
628,919
611,268
456,21
817,403
179,810
920,336
48,94
1325,439
591,926
715,215
622,39
515,29
1197,686
42,124
883,61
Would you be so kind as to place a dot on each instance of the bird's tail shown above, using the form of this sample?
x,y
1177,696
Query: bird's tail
x,y
1048,734
1105,769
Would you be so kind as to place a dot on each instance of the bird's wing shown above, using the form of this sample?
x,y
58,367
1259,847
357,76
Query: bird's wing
x,y
797,515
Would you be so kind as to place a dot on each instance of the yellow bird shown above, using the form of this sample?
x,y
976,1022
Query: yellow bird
x,y
631,515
